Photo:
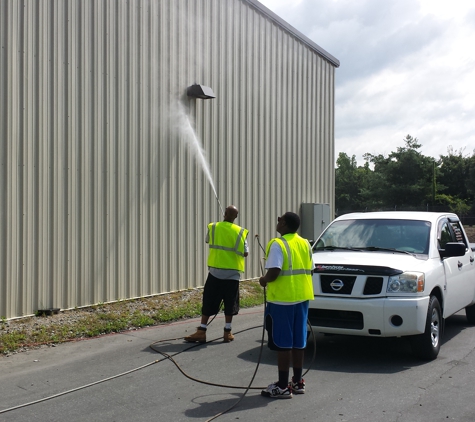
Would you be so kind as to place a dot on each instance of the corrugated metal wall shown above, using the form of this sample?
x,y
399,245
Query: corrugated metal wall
x,y
101,195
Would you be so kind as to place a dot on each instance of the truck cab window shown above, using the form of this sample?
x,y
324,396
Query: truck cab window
x,y
445,236
459,237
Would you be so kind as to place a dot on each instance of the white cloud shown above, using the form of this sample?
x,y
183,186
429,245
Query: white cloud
x,y
406,68
445,9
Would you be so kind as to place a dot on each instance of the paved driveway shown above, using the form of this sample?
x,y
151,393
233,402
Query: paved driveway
x,y
352,378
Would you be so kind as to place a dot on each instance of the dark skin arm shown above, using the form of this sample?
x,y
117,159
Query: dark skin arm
x,y
271,275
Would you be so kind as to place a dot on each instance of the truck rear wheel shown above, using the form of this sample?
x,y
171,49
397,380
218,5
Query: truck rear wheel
x,y
426,346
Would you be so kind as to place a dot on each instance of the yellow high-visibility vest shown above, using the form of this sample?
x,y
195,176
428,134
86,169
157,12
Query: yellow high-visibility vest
x,y
294,283
226,243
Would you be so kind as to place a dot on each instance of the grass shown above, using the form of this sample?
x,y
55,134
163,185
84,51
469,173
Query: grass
x,y
109,318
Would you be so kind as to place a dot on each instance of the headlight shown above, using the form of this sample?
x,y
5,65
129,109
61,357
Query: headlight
x,y
406,283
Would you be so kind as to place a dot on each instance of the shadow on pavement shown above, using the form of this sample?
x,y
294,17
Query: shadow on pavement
x,y
211,405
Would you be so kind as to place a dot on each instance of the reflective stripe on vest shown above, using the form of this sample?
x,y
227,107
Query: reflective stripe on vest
x,y
292,284
227,246
235,249
290,271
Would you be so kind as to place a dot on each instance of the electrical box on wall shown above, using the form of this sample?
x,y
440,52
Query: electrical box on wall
x,y
314,219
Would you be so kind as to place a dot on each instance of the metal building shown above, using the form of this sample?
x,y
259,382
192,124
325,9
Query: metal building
x,y
103,195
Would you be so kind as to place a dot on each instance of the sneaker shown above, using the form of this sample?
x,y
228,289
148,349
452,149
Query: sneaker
x,y
275,392
227,336
298,387
198,337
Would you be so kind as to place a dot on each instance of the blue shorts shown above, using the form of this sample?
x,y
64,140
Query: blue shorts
x,y
286,326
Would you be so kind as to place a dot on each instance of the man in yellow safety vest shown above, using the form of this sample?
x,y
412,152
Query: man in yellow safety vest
x,y
288,279
228,248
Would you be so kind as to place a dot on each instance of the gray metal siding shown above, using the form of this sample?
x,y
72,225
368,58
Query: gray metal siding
x,y
101,197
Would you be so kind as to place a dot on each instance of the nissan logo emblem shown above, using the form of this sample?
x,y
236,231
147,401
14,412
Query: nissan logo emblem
x,y
337,285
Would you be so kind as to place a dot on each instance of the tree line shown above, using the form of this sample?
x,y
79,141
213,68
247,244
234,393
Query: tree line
x,y
406,179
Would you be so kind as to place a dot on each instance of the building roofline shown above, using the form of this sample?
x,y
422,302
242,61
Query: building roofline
x,y
259,6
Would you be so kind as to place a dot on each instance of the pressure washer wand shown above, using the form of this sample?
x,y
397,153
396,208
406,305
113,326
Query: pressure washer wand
x,y
258,241
263,250
219,203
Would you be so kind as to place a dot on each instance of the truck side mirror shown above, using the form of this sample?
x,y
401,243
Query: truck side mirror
x,y
452,249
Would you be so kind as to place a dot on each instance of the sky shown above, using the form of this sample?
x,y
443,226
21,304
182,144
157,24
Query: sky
x,y
407,67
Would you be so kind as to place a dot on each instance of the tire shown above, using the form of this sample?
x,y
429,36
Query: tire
x,y
426,346
470,313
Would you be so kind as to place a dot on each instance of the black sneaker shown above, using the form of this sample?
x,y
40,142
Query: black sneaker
x,y
275,392
298,387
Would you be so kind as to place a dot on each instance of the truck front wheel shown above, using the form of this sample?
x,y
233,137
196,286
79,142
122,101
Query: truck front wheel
x,y
470,313
426,346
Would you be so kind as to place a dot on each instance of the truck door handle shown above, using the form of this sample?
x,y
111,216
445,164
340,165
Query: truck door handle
x,y
471,259
459,264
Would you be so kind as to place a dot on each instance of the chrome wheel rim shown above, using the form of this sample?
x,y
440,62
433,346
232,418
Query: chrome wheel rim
x,y
434,328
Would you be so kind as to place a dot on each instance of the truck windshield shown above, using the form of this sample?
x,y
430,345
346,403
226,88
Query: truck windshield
x,y
401,235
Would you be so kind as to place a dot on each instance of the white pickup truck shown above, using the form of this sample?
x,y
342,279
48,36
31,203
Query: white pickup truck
x,y
392,274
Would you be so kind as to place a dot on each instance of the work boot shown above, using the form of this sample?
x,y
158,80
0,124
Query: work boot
x,y
228,336
198,337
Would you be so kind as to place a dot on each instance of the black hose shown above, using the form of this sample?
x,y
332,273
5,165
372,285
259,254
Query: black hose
x,y
170,358
258,359
154,347
249,387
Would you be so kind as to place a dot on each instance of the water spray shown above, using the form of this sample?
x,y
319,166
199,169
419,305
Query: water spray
x,y
192,142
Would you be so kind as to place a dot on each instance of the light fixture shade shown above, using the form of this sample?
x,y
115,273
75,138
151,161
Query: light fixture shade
x,y
200,91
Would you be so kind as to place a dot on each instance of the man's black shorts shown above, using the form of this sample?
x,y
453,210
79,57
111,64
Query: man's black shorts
x,y
217,290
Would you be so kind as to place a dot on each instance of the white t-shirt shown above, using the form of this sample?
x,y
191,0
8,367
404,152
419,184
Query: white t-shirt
x,y
276,257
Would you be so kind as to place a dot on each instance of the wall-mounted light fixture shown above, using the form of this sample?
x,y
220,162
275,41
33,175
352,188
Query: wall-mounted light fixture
x,y
200,91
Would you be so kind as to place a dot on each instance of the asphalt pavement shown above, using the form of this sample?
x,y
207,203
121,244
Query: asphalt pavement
x,y
121,377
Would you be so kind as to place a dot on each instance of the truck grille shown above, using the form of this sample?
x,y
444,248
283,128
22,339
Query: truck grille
x,y
337,284
350,320
373,286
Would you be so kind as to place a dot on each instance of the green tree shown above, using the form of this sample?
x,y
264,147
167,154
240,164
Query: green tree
x,y
406,179
346,185
372,186
456,205
355,185
405,176
454,174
